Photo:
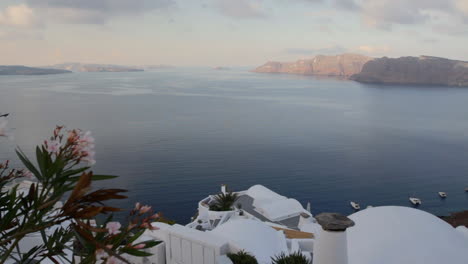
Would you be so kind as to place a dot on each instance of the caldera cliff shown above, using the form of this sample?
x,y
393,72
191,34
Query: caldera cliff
x,y
423,70
343,65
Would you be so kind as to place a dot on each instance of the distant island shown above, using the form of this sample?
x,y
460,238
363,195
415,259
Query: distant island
x,y
343,65
155,67
80,67
423,70
23,70
221,68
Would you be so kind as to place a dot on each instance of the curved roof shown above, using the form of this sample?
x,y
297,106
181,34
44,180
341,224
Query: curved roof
x,y
393,234
260,192
254,237
278,210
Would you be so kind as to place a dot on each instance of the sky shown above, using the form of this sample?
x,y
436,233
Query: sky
x,y
226,32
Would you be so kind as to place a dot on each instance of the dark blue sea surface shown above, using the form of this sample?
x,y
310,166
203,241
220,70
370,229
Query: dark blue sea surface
x,y
175,135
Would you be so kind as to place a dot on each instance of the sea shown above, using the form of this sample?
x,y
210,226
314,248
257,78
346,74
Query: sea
x,y
175,135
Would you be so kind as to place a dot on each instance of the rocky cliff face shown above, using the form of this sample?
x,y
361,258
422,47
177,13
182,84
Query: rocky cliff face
x,y
343,65
414,70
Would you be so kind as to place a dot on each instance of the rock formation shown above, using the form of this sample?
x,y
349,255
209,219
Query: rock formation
x,y
414,70
343,65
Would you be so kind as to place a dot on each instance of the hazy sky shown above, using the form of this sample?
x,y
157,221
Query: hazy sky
x,y
226,32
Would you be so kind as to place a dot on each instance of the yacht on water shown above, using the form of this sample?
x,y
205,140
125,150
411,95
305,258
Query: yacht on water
x,y
415,201
443,194
355,205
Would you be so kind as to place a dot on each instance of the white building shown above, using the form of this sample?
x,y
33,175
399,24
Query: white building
x,y
268,224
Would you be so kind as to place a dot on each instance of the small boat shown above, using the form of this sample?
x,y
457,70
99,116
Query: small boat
x,y
466,189
415,201
356,206
443,195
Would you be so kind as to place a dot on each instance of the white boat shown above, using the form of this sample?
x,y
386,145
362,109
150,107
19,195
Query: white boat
x,y
442,194
356,206
415,201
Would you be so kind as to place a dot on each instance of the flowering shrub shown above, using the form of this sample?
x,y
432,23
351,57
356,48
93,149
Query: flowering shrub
x,y
72,220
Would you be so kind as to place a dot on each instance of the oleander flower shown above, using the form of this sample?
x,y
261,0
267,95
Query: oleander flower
x,y
113,228
27,174
113,260
137,206
100,254
145,209
155,216
139,246
53,146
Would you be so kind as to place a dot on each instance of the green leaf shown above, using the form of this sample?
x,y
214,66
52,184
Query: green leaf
x,y
103,177
135,252
28,164
94,178
136,236
151,243
69,173
41,161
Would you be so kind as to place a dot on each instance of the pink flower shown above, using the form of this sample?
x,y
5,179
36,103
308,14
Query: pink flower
x,y
145,209
113,260
86,138
155,216
53,146
101,253
113,228
139,246
137,206
27,174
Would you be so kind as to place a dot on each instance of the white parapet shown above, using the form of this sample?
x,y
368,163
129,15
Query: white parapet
x,y
184,245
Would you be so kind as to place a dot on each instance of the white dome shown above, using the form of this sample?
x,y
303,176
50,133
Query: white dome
x,y
279,210
260,192
254,237
397,235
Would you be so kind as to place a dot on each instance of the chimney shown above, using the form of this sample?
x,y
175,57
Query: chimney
x,y
224,188
331,246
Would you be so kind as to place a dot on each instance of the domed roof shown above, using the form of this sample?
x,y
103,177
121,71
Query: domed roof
x,y
393,234
254,237
260,192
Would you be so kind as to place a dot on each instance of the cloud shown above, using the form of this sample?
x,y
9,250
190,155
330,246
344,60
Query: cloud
x,y
105,6
430,40
95,11
373,50
19,16
384,14
462,6
450,29
241,8
349,5
323,51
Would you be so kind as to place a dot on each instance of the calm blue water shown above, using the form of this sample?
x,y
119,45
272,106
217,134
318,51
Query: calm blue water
x,y
175,135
